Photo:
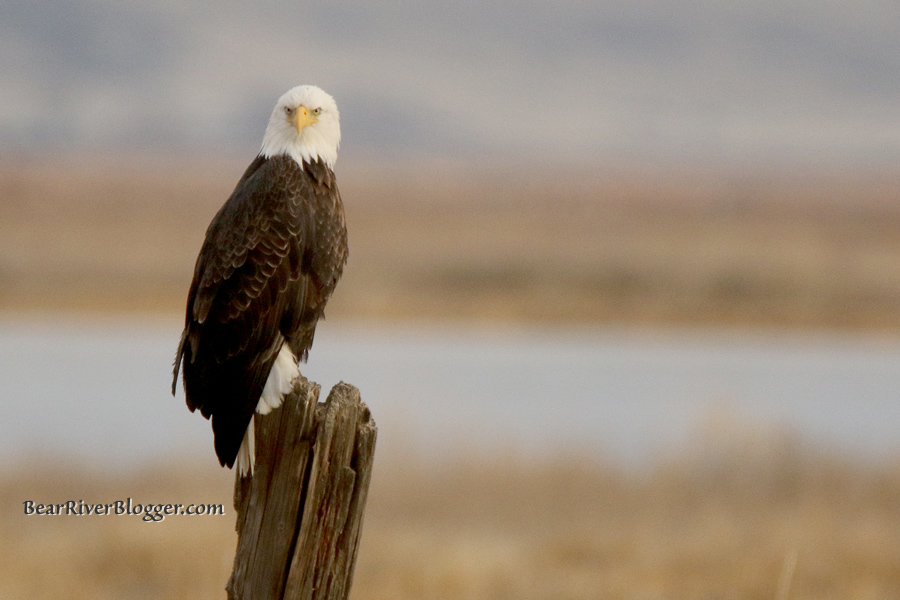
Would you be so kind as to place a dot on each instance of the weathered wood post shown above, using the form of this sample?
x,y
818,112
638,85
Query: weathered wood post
x,y
299,516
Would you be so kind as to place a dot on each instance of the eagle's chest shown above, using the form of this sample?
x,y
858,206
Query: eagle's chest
x,y
322,236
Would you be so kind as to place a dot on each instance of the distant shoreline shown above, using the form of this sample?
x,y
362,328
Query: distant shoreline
x,y
622,247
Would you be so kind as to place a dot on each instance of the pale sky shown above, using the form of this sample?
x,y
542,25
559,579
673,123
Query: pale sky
x,y
811,80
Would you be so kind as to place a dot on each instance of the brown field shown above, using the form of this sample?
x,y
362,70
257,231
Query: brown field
x,y
756,517
640,246
738,515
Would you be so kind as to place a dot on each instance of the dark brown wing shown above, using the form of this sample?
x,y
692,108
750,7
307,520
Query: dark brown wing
x,y
258,281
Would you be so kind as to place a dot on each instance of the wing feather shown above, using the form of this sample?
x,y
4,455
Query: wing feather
x,y
270,261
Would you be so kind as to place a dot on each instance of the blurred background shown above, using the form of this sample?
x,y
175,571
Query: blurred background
x,y
623,293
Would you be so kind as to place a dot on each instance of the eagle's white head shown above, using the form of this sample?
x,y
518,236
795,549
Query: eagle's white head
x,y
304,125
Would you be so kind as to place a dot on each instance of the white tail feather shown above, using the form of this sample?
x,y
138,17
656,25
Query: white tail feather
x,y
246,457
280,382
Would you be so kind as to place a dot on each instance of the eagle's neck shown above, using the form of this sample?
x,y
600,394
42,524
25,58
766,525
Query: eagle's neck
x,y
310,145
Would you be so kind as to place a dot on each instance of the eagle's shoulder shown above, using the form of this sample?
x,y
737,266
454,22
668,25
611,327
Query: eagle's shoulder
x,y
263,224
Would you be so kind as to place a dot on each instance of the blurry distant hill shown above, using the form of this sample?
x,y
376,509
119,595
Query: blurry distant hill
x,y
759,81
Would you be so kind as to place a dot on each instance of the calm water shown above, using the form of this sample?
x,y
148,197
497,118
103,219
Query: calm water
x,y
99,391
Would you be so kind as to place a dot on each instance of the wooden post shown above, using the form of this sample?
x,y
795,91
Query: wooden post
x,y
299,517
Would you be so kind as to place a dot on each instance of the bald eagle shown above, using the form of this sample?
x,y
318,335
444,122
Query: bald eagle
x,y
273,255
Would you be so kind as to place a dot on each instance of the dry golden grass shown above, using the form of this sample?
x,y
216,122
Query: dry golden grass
x,y
725,519
744,517
639,246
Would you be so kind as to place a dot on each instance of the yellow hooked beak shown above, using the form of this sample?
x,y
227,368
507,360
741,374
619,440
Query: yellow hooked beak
x,y
302,118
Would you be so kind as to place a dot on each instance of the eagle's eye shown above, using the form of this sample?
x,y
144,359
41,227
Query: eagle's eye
x,y
288,110
317,111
